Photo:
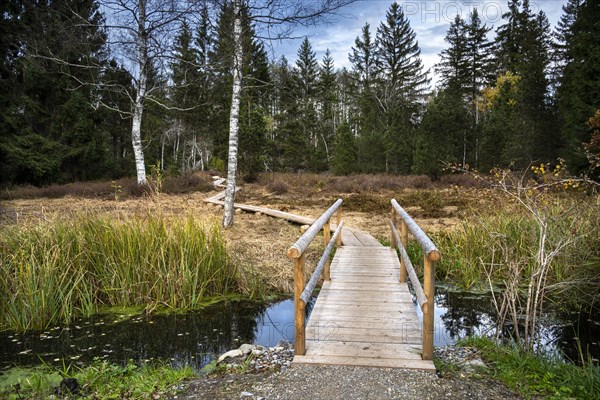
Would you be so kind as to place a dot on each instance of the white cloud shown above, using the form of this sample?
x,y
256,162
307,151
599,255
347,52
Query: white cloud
x,y
429,19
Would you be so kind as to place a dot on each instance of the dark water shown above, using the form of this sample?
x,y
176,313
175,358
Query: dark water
x,y
461,314
193,338
196,338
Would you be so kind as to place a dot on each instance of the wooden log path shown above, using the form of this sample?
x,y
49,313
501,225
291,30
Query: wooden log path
x,y
352,237
363,316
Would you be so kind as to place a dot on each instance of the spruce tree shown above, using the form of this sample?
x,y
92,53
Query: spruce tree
x,y
563,35
184,97
366,118
454,67
579,90
306,73
402,84
328,102
50,132
480,58
523,49
345,155
441,134
363,57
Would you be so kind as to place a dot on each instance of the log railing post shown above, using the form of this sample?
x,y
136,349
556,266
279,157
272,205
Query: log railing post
x,y
327,237
393,243
428,312
338,218
404,240
299,313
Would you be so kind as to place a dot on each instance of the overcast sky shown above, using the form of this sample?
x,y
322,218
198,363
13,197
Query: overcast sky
x,y
429,19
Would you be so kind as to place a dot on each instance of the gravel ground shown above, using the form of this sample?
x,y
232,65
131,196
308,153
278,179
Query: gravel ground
x,y
339,382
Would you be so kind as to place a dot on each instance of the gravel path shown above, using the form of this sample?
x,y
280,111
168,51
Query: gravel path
x,y
304,382
344,383
337,382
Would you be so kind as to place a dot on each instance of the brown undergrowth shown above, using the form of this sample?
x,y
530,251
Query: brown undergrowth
x,y
258,243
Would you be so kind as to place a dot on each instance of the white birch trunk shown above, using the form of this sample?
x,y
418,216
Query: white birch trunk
x,y
234,116
138,110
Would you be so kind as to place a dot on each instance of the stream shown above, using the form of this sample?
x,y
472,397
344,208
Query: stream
x,y
196,338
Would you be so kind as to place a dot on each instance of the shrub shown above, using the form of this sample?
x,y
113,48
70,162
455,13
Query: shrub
x,y
278,186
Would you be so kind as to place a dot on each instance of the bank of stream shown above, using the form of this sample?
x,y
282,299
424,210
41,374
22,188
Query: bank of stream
x,y
196,338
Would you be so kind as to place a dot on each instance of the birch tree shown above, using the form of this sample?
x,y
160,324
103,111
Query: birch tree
x,y
275,20
140,31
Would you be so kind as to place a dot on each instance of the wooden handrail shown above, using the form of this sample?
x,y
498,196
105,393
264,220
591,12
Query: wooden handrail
x,y
414,279
296,252
310,286
426,244
430,255
301,244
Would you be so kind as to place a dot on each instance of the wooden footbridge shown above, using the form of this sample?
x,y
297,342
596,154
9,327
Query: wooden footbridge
x,y
364,313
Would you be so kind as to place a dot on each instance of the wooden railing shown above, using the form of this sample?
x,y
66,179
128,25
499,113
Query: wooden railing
x,y
425,296
302,292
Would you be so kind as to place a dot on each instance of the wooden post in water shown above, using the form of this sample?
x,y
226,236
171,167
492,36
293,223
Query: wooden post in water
x,y
338,221
404,239
428,312
327,237
299,314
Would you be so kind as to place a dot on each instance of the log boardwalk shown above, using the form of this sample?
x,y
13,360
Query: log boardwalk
x,y
364,314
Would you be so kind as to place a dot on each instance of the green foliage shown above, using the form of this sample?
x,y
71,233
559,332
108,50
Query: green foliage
x,y
53,273
533,375
579,90
99,380
442,135
344,156
523,49
252,144
49,132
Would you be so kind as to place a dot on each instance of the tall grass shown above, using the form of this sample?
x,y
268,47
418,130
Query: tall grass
x,y
491,240
54,272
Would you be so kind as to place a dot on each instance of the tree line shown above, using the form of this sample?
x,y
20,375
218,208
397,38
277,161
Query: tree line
x,y
100,89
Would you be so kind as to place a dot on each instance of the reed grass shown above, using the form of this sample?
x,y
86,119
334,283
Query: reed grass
x,y
490,240
54,272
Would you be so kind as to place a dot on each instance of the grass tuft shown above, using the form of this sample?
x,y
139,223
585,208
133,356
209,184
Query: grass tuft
x,y
533,375
55,272
100,380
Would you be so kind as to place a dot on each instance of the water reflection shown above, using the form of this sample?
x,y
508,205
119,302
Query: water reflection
x,y
193,338
462,314
196,338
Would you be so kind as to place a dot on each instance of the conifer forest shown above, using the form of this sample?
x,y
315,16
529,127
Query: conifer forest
x,y
102,89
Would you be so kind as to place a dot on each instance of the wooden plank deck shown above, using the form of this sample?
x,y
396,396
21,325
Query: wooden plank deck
x,y
364,316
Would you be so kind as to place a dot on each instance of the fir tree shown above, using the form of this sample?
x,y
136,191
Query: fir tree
x,y
306,78
454,67
402,84
344,156
363,57
579,90
523,49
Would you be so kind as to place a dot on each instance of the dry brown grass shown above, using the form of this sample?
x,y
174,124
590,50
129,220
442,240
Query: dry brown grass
x,y
258,244
121,188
